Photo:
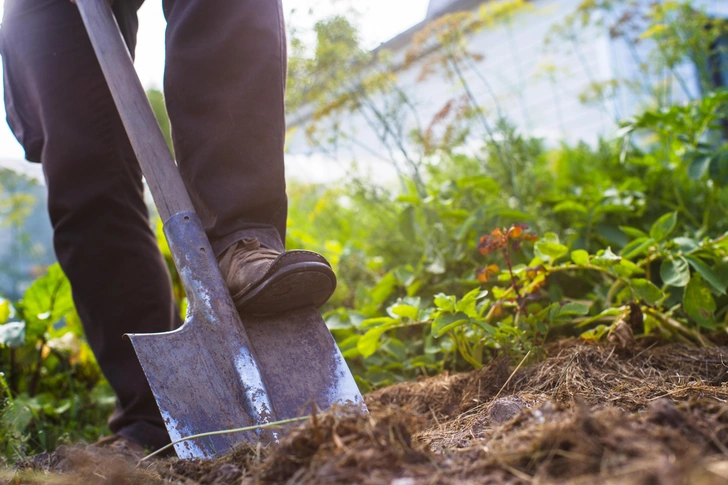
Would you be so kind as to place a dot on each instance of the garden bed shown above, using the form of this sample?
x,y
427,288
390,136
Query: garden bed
x,y
589,413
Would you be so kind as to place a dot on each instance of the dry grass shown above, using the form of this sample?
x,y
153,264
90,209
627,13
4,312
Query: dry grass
x,y
587,414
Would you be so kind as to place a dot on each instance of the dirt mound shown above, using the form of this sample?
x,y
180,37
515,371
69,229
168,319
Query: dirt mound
x,y
586,414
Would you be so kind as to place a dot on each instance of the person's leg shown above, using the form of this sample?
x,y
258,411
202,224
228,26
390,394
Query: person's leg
x,y
102,236
224,86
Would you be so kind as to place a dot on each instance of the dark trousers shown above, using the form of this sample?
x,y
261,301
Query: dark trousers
x,y
224,86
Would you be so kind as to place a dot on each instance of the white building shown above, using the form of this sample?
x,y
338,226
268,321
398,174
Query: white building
x,y
535,86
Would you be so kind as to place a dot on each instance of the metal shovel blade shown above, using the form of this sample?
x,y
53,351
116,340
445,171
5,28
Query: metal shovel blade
x,y
216,373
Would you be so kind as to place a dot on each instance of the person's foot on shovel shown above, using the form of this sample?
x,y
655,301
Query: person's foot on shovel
x,y
263,281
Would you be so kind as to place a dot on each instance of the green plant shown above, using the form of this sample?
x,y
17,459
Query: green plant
x,y
51,389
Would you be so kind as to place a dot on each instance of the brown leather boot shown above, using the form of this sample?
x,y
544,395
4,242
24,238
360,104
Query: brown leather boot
x,y
263,281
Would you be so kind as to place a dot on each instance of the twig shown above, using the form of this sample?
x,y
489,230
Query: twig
x,y
226,431
512,374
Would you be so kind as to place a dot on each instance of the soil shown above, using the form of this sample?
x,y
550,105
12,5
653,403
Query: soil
x,y
588,413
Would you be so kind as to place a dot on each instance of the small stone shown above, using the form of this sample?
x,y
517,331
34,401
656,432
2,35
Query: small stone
x,y
505,409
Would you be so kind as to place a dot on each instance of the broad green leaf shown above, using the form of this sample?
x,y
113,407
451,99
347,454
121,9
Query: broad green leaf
x,y
718,169
369,342
686,244
609,312
675,271
12,334
46,301
595,333
508,213
570,206
663,226
708,274
376,322
403,310
549,247
633,231
637,247
383,289
646,290
445,302
699,166
446,321
467,304
580,257
627,268
348,346
698,302
573,308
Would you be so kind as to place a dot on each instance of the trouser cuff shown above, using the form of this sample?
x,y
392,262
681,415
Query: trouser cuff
x,y
268,237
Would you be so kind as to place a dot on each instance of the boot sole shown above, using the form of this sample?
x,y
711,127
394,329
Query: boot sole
x,y
289,287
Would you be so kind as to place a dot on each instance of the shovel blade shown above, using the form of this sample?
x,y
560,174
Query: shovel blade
x,y
198,388
199,377
217,372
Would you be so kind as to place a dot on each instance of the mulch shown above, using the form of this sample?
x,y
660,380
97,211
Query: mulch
x,y
588,413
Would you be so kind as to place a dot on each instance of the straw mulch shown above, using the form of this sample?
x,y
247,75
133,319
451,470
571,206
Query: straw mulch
x,y
588,413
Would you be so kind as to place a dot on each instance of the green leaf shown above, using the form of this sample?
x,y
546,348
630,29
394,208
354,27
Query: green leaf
x,y
609,312
508,213
627,268
467,304
383,289
46,301
549,247
580,257
445,302
698,166
637,247
446,321
570,206
646,290
12,334
706,272
686,244
573,308
663,226
403,310
675,271
6,310
718,169
348,346
698,302
633,231
375,322
409,199
369,342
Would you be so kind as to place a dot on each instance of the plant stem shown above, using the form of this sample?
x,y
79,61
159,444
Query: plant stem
x,y
226,431
33,387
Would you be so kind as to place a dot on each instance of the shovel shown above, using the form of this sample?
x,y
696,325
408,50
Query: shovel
x,y
215,372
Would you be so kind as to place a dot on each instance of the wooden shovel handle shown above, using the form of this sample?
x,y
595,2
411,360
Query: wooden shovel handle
x,y
158,166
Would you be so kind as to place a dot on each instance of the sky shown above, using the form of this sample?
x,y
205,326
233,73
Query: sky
x,y
378,21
